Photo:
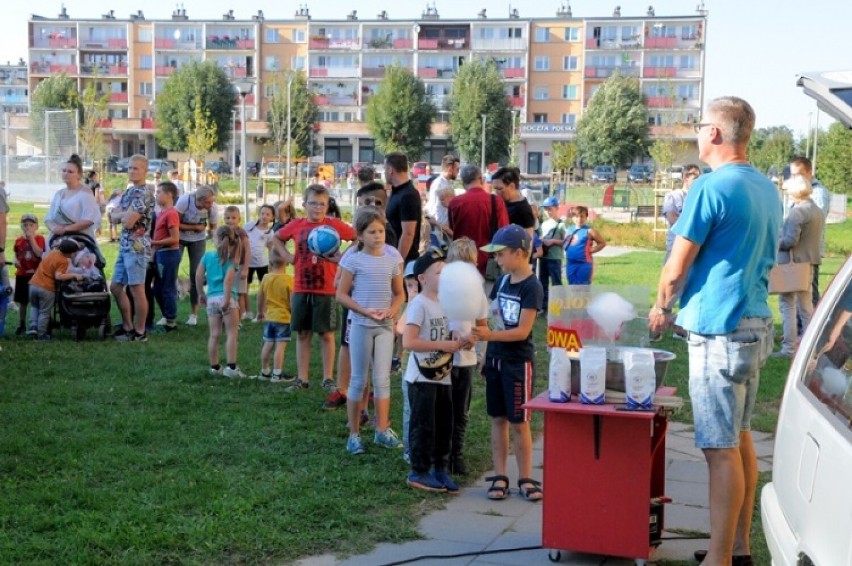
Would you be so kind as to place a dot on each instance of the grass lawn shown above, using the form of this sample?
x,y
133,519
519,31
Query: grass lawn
x,y
133,454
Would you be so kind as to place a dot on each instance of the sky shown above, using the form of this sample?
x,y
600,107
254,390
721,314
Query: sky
x,y
755,48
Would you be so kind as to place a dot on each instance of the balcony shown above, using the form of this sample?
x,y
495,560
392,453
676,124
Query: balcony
x,y
509,44
427,44
164,70
164,43
659,72
403,43
427,73
62,42
185,45
104,43
148,124
118,98
660,102
56,69
373,72
334,72
103,69
634,42
660,42
235,72
514,73
606,72
515,101
118,70
226,42
105,123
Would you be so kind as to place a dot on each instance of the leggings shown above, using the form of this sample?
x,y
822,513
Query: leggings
x,y
196,252
370,344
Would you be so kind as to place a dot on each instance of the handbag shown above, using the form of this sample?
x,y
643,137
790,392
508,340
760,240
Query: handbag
x,y
789,277
492,269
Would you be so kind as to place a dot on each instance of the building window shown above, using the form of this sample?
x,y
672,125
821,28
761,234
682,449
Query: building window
x,y
569,92
271,63
145,61
540,118
569,119
688,61
542,63
146,89
145,35
298,36
272,35
572,34
542,34
569,63
689,32
629,33
298,62
540,92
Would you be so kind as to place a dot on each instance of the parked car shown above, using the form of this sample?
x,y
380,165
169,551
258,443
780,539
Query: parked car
x,y
253,168
419,169
273,169
218,167
32,163
805,509
603,174
640,174
161,165
122,164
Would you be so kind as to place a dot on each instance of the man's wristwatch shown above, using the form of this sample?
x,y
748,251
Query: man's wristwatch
x,y
660,310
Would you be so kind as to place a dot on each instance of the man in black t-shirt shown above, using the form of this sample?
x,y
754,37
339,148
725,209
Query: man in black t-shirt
x,y
405,207
505,182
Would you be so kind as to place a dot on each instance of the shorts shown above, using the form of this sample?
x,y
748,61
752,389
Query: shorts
x,y
313,313
345,324
214,305
724,375
276,332
22,289
260,271
130,268
508,385
579,273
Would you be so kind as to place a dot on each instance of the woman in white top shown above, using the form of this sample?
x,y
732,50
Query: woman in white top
x,y
73,208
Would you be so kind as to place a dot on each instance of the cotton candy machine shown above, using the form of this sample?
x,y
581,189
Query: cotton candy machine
x,y
615,367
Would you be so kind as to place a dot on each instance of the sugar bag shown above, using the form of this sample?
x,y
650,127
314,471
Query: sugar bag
x,y
559,376
593,375
640,381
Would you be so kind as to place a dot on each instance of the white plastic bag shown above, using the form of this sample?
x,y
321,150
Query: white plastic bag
x,y
559,376
593,375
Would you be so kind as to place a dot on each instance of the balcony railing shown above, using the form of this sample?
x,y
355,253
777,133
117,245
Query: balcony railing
x,y
427,44
659,72
103,43
605,72
57,68
164,70
235,72
103,69
403,43
226,42
660,42
118,97
659,102
321,100
103,123
373,72
515,101
514,73
335,72
118,69
427,73
62,42
148,124
634,42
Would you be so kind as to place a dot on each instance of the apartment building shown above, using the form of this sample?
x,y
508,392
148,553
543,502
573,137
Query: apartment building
x,y
551,68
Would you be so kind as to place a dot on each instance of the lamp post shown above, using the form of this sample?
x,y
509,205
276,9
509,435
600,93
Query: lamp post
x,y
289,124
808,136
243,88
484,117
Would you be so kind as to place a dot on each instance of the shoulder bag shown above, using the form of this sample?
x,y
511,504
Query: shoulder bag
x,y
789,277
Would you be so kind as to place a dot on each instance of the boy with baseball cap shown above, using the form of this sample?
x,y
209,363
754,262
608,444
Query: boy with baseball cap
x,y
516,299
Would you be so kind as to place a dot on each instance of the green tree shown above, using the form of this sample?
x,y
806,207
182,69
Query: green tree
x,y
202,133
94,108
564,156
303,113
614,128
771,148
478,90
204,82
57,92
399,115
834,159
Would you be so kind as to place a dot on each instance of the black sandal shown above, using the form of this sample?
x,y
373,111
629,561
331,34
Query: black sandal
x,y
498,492
738,560
533,493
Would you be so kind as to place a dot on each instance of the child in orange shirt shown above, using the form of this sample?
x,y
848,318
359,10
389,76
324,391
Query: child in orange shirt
x,y
53,268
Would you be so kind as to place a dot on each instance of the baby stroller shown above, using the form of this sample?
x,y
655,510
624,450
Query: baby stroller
x,y
83,304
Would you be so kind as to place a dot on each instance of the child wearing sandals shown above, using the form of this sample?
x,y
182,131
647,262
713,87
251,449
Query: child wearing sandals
x,y
508,367
273,306
427,337
218,267
371,288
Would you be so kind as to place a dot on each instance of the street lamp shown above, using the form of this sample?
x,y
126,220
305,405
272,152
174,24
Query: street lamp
x,y
289,123
484,116
243,88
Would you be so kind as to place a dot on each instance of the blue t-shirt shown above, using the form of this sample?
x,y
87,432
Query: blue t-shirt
x,y
578,246
734,214
513,298
216,275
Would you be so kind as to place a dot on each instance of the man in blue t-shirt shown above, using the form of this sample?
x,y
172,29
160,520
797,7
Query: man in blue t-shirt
x,y
725,244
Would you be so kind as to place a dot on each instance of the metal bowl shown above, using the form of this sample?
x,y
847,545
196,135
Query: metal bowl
x,y
615,366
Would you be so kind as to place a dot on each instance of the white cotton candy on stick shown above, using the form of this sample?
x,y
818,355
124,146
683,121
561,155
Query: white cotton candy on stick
x,y
459,289
610,311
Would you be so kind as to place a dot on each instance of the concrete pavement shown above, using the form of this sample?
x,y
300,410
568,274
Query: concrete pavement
x,y
473,525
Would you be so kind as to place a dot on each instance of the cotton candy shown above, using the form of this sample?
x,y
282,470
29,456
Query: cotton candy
x,y
460,286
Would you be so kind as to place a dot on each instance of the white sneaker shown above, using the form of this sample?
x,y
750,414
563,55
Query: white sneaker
x,y
214,371
161,322
248,315
192,320
233,373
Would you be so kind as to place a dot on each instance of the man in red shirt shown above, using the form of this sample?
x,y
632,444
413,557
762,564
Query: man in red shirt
x,y
471,213
313,306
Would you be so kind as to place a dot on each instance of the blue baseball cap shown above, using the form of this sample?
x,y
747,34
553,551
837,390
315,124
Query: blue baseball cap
x,y
550,201
511,236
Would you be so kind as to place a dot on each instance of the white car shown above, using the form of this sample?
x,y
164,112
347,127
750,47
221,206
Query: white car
x,y
806,509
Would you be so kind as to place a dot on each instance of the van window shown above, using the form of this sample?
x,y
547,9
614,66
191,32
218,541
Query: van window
x,y
829,372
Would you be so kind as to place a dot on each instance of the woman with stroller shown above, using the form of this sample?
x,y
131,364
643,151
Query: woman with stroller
x,y
73,208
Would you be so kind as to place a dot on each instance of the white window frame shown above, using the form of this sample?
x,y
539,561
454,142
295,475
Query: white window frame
x,y
542,63
542,34
570,63
541,92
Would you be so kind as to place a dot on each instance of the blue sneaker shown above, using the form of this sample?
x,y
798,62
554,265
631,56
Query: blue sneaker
x,y
426,482
355,445
446,480
387,438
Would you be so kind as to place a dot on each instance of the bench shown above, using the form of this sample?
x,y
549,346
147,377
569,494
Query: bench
x,y
643,211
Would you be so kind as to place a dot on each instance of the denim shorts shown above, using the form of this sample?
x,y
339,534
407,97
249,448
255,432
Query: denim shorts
x,y
214,305
276,332
130,268
724,374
